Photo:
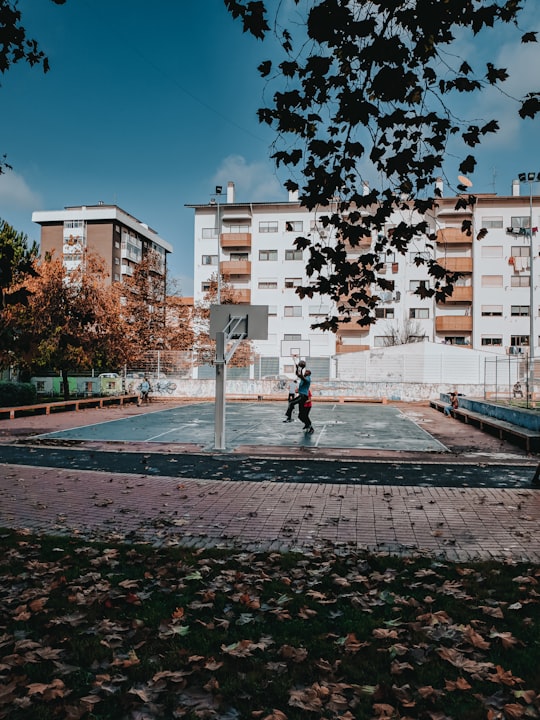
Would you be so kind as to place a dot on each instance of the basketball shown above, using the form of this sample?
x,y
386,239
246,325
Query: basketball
x,y
302,363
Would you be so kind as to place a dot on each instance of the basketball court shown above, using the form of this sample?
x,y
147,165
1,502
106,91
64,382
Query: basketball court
x,y
337,425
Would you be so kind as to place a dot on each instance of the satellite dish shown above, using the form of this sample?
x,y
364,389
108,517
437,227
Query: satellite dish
x,y
464,181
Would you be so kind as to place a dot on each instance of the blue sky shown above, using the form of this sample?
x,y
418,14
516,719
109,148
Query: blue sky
x,y
149,106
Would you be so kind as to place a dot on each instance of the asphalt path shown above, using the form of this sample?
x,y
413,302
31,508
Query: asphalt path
x,y
240,467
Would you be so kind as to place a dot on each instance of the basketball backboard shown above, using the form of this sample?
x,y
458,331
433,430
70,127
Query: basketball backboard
x,y
254,323
296,349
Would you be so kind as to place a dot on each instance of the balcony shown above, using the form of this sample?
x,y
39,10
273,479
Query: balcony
x,y
453,236
236,267
453,323
242,296
341,349
234,239
461,295
352,327
456,264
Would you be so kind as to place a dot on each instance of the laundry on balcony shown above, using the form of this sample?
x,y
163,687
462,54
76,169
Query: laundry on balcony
x,y
521,263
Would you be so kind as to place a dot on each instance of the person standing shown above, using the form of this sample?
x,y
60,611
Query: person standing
x,y
303,414
304,376
293,389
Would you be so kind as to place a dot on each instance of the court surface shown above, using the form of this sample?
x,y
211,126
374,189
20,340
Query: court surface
x,y
359,426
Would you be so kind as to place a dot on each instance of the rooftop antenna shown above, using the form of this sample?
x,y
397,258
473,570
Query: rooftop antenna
x,y
493,178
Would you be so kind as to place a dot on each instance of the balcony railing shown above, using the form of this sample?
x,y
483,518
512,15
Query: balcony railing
x,y
461,294
236,240
242,296
456,264
340,349
453,323
453,236
236,267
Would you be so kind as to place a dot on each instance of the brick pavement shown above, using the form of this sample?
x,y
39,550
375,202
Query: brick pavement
x,y
457,524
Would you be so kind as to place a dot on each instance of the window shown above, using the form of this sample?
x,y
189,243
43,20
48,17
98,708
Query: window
x,y
267,254
519,341
117,261
205,286
292,311
521,310
73,223
456,340
293,255
209,259
492,310
520,221
319,309
293,282
117,244
272,310
238,256
491,341
520,281
237,228
267,285
492,221
268,226
492,281
419,313
294,226
492,251
384,313
40,385
209,233
292,336
520,251
415,284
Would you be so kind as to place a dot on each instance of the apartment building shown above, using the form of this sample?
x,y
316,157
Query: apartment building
x,y
489,309
106,230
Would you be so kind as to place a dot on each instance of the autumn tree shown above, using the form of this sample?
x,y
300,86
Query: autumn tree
x,y
204,346
73,320
368,88
17,265
157,320
16,46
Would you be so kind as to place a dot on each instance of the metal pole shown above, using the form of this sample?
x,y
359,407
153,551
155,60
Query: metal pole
x,y
218,293
219,415
532,341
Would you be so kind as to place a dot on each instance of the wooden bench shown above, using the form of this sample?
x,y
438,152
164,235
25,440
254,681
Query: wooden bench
x,y
64,405
528,439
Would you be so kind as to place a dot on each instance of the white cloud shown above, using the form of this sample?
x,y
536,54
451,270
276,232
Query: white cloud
x,y
16,194
255,182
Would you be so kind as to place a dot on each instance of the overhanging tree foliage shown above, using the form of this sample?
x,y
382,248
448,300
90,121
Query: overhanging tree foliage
x,y
369,87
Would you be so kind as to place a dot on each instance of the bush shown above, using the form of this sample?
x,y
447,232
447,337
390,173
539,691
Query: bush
x,y
12,394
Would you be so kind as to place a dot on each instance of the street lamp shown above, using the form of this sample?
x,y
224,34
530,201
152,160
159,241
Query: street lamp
x,y
215,201
531,178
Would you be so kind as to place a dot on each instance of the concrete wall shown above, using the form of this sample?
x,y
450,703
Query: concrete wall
x,y
270,389
522,417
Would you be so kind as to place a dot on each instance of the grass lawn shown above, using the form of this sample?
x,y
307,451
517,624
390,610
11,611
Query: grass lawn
x,y
109,631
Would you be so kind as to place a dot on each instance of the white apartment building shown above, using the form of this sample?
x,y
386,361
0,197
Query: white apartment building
x,y
489,308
